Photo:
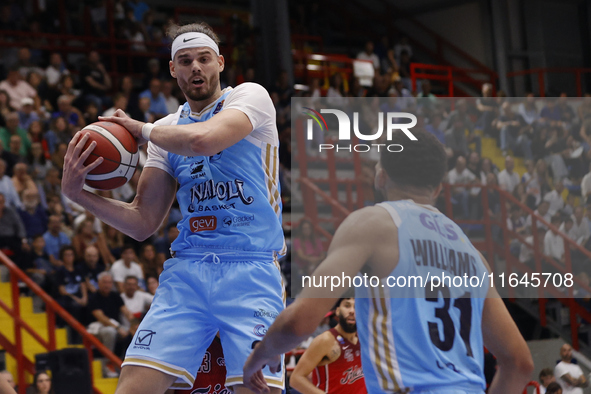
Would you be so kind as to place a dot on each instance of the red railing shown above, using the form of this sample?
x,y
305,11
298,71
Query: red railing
x,y
51,308
533,384
450,75
316,65
541,76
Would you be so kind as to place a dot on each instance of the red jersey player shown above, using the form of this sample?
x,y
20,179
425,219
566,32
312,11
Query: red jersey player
x,y
212,373
333,358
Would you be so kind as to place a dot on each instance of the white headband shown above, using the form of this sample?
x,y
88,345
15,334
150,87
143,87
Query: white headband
x,y
193,40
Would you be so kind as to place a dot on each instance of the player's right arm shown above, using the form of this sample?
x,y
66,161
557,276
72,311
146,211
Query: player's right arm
x,y
138,219
502,337
318,349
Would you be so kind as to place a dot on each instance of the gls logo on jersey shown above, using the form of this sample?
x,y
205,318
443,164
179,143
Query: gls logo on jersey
x,y
345,130
203,223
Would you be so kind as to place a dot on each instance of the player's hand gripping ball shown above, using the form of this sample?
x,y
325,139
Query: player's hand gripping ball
x,y
120,152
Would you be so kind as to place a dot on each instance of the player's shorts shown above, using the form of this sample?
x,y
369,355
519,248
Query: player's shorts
x,y
199,295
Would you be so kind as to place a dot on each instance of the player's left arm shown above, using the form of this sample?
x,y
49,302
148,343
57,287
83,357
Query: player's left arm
x,y
351,248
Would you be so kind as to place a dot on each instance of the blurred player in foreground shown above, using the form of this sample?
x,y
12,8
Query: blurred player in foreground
x,y
334,357
415,337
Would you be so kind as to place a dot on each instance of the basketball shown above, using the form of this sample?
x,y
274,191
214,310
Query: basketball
x,y
119,150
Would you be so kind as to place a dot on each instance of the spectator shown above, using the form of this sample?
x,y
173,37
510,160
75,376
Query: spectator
x,y
542,211
336,92
71,114
307,248
55,238
455,138
143,111
55,70
137,302
557,148
586,186
554,197
368,54
459,194
7,188
5,107
172,103
488,108
553,388
553,242
34,216
514,132
41,384
95,81
92,268
8,378
13,236
570,376
139,8
73,295
106,306
157,101
25,65
37,265
127,266
22,180
433,127
17,88
152,284
12,128
526,251
26,114
86,235
149,262
528,110
38,163
507,178
546,377
154,72
119,102
402,45
114,239
15,146
404,62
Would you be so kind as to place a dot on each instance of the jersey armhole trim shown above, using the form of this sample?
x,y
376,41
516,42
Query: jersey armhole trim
x,y
393,213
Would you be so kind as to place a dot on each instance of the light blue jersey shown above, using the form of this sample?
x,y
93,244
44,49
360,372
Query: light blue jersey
x,y
414,337
224,276
230,201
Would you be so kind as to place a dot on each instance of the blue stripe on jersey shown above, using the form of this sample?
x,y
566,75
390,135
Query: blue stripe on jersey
x,y
413,337
229,201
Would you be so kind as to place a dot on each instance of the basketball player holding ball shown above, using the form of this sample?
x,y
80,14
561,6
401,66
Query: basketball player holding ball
x,y
222,149
413,338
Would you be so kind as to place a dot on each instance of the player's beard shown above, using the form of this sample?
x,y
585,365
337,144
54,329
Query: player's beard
x,y
212,84
347,327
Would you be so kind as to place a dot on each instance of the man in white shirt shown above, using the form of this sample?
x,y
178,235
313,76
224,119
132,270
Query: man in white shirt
x,y
172,103
553,242
126,266
137,302
586,185
555,198
580,230
508,179
570,376
119,102
543,212
461,175
7,188
368,54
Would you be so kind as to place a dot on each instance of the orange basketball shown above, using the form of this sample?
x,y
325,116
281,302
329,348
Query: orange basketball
x,y
119,150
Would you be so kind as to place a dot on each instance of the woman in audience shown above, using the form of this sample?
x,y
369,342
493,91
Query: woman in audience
x,y
38,163
41,384
307,248
149,262
114,240
86,236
